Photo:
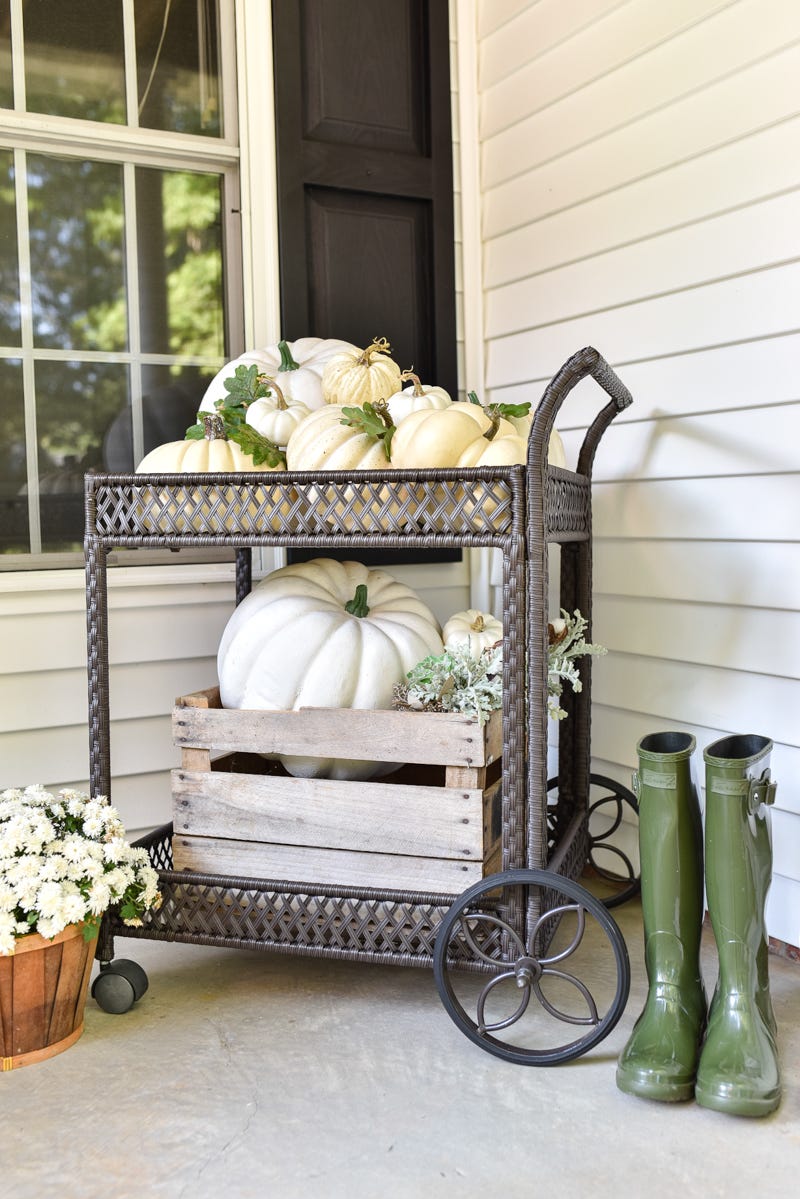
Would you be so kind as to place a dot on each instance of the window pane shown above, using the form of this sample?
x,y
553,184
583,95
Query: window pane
x,y
75,59
9,260
180,262
177,58
170,399
79,407
6,88
13,470
77,253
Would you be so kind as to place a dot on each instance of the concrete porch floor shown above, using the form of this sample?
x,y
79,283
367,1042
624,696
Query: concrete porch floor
x,y
241,1074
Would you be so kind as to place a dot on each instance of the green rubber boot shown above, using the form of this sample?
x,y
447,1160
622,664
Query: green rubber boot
x,y
660,1058
739,1071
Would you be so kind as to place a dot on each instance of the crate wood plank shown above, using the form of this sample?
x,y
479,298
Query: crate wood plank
x,y
338,867
385,735
435,822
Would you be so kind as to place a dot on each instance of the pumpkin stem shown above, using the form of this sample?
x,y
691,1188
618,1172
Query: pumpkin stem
x,y
214,427
271,385
478,624
472,396
409,374
358,605
287,361
491,432
379,346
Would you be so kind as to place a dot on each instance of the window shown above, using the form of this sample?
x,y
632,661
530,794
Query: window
x,y
120,271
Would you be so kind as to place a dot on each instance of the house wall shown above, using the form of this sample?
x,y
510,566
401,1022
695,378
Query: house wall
x,y
640,179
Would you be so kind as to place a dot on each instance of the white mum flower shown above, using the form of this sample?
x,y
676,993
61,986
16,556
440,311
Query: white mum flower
x,y
49,899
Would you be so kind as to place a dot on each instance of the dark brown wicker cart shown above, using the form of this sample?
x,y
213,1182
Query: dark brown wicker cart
x,y
519,933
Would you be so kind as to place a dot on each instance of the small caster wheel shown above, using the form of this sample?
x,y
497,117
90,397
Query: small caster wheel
x,y
118,985
531,952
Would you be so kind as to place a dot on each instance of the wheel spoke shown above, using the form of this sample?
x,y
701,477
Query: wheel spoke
x,y
486,918
482,1026
591,1019
557,913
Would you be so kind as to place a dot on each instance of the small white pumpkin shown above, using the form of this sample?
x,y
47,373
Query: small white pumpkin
x,y
276,417
296,366
474,628
440,437
416,398
324,634
361,376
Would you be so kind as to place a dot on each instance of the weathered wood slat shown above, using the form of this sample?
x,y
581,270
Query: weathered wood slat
x,y
439,738
257,859
373,817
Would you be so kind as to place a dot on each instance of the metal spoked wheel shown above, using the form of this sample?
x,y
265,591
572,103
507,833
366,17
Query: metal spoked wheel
x,y
523,995
610,859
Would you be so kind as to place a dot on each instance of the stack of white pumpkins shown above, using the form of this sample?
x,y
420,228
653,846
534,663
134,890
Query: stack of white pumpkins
x,y
330,634
324,404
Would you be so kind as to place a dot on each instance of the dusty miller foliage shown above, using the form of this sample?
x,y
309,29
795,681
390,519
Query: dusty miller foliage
x,y
455,681
565,646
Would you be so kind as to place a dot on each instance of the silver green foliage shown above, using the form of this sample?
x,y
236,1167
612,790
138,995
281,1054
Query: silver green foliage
x,y
455,681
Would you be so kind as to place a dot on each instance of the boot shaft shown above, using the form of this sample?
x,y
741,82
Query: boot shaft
x,y
670,837
738,850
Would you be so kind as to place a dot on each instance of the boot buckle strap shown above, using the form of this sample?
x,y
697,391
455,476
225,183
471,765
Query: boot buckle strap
x,y
762,791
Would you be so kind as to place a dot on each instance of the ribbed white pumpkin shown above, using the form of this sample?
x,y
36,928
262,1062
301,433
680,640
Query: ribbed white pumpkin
x,y
276,417
416,398
474,628
291,644
358,377
210,453
296,366
322,442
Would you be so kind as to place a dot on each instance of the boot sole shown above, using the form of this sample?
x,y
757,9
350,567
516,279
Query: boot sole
x,y
650,1088
738,1105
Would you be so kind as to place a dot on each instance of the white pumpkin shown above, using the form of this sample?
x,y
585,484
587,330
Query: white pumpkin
x,y
276,417
432,437
324,442
358,377
324,634
416,398
212,453
296,366
474,628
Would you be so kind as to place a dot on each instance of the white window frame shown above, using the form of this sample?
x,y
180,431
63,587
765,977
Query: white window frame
x,y
249,223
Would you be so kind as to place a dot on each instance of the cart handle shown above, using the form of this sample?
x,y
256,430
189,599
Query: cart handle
x,y
587,361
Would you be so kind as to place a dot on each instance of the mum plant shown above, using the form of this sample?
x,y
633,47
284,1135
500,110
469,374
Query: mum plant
x,y
64,860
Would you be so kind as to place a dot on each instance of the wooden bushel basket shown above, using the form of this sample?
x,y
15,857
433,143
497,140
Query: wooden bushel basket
x,y
43,987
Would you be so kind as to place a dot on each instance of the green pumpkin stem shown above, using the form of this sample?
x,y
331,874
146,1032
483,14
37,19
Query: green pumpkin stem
x,y
491,432
358,605
287,361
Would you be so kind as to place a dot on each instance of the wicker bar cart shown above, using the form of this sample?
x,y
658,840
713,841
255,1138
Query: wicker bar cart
x,y
513,936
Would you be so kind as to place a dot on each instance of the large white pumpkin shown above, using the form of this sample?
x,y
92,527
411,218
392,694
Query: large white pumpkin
x,y
296,366
293,643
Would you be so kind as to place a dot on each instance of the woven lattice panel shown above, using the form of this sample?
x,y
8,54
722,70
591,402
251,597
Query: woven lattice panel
x,y
567,505
284,505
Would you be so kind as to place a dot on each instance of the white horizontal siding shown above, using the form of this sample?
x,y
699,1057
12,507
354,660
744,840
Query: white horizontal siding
x,y
641,193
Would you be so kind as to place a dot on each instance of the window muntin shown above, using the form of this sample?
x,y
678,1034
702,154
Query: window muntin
x,y
114,255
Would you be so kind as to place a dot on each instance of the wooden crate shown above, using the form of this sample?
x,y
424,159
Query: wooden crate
x,y
431,826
